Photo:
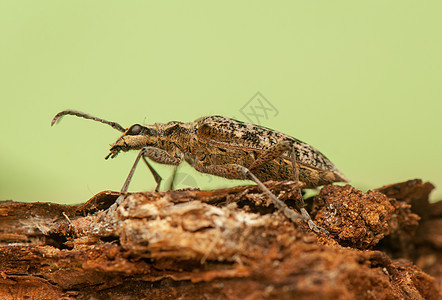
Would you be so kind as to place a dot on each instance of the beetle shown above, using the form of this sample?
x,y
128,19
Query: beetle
x,y
228,148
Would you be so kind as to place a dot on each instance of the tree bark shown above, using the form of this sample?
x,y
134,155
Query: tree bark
x,y
225,244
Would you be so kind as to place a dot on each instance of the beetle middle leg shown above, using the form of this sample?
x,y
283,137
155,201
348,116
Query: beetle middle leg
x,y
157,155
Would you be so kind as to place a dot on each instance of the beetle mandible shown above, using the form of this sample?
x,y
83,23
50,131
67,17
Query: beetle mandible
x,y
228,148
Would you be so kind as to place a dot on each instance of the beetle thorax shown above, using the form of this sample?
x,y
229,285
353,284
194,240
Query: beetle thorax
x,y
174,135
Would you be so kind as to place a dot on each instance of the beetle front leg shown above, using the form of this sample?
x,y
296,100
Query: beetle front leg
x,y
155,174
172,179
157,155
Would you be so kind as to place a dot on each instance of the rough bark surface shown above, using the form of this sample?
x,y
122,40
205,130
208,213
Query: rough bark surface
x,y
225,244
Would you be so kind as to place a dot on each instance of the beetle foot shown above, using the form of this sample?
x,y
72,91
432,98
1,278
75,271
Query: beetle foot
x,y
311,224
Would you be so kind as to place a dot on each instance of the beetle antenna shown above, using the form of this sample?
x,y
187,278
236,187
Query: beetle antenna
x,y
86,116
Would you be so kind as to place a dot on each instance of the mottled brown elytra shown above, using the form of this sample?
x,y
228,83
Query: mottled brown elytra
x,y
228,148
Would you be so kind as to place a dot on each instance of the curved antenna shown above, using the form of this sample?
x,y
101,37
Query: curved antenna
x,y
86,116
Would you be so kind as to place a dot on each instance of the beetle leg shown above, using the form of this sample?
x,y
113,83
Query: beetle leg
x,y
172,179
271,153
276,151
155,174
240,172
157,155
303,211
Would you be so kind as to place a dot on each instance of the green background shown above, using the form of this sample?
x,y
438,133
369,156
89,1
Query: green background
x,y
359,80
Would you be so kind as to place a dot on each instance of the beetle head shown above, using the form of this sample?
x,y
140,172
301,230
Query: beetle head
x,y
134,138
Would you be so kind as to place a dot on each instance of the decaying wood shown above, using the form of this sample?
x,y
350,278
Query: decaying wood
x,y
224,244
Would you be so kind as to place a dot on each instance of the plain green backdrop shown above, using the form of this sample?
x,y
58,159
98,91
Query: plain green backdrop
x,y
359,80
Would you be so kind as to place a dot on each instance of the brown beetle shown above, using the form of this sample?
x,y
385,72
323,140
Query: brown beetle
x,y
228,148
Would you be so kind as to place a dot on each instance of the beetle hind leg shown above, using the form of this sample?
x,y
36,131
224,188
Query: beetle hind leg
x,y
277,151
239,172
302,209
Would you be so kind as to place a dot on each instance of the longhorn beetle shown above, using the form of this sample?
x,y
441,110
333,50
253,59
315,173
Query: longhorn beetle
x,y
228,148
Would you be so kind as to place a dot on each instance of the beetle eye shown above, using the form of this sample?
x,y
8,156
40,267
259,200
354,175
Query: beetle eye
x,y
134,129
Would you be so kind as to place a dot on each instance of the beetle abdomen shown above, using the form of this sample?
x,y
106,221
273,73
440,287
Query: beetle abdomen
x,y
230,133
